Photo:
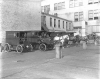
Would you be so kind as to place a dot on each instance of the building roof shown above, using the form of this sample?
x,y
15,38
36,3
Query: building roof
x,y
55,16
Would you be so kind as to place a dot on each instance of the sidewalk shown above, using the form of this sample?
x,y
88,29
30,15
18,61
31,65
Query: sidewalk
x,y
81,65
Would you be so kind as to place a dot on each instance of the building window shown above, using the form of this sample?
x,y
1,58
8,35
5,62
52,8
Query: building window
x,y
63,24
55,6
59,6
76,16
59,23
50,21
90,2
96,1
93,14
90,14
96,14
71,3
66,26
63,5
80,16
93,1
80,2
54,22
46,8
75,3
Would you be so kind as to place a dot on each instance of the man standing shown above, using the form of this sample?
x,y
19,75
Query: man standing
x,y
57,39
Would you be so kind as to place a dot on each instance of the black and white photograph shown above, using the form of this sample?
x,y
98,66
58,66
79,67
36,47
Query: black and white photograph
x,y
49,39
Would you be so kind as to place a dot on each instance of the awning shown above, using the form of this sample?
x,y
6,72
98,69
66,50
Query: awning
x,y
45,28
70,31
64,32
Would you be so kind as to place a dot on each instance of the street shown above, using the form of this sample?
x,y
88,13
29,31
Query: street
x,y
77,63
13,62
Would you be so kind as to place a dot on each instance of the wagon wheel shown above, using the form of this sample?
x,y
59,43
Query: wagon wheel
x,y
7,47
31,48
42,47
19,48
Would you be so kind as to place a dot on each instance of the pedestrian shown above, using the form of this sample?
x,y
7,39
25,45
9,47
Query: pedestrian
x,y
57,39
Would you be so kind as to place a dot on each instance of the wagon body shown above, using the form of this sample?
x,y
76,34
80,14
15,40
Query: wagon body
x,y
28,40
17,40
12,39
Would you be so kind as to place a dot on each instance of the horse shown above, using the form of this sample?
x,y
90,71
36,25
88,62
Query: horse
x,y
75,40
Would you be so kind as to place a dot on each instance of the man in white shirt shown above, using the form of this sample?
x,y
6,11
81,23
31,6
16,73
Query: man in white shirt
x,y
57,39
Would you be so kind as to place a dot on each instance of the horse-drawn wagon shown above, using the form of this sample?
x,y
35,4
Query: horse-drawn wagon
x,y
27,41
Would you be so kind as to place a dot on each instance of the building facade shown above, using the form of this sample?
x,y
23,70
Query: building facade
x,y
53,23
85,14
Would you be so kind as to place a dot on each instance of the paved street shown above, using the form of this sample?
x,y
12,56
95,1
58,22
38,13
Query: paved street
x,y
77,63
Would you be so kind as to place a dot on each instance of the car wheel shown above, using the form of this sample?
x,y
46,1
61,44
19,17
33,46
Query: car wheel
x,y
7,47
19,48
42,47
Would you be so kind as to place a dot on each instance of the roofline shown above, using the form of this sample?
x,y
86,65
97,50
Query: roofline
x,y
55,16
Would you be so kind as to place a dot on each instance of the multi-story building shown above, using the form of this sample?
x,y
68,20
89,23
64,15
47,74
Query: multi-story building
x,y
85,14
